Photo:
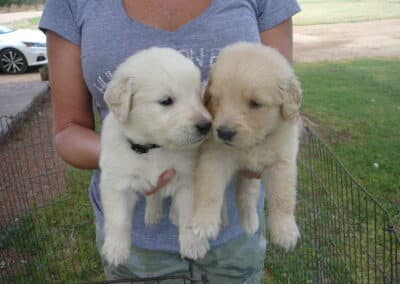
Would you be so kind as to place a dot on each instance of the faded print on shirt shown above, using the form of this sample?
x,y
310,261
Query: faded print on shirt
x,y
201,57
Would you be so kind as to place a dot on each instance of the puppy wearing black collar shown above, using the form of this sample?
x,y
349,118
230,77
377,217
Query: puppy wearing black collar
x,y
156,122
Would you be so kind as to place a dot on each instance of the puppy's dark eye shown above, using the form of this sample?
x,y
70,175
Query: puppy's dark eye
x,y
167,101
254,104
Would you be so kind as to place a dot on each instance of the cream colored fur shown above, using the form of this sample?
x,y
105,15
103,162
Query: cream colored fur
x,y
253,91
134,97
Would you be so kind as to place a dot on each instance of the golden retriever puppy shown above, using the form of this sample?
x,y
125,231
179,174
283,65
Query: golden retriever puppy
x,y
156,122
254,98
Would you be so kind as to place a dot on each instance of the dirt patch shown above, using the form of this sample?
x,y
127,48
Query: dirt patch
x,y
325,133
376,39
12,261
31,173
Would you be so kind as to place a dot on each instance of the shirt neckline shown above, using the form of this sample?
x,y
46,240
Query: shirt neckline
x,y
202,17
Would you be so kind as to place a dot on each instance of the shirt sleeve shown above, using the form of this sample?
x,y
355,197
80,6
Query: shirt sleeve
x,y
273,12
59,16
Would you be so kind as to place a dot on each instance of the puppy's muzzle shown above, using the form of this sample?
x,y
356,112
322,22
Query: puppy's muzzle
x,y
226,133
203,127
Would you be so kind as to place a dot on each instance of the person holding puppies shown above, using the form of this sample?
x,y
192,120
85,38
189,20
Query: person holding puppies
x,y
87,40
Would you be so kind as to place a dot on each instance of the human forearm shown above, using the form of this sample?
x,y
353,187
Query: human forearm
x,y
75,140
281,38
78,146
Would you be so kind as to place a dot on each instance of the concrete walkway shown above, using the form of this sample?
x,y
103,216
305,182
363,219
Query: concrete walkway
x,y
17,101
18,97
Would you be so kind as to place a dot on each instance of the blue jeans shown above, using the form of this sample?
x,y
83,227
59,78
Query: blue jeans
x,y
239,261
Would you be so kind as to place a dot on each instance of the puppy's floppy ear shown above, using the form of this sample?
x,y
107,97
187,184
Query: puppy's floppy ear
x,y
291,98
118,97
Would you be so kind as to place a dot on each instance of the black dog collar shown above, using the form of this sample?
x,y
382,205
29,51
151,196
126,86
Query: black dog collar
x,y
141,149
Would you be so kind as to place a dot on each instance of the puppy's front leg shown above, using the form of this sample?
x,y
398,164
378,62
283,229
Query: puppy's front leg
x,y
280,180
191,245
247,193
118,207
215,169
154,209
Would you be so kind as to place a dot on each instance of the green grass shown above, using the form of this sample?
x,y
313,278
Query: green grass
x,y
356,106
343,235
345,11
55,243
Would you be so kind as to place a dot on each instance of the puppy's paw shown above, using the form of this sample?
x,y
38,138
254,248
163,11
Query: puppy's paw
x,y
191,245
152,215
249,220
284,231
206,226
116,249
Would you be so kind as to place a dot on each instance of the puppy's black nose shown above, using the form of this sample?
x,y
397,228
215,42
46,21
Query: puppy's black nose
x,y
226,133
203,127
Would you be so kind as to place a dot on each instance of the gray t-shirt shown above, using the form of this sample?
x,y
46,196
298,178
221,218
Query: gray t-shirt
x,y
107,35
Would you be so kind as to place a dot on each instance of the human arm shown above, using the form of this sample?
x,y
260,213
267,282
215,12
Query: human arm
x,y
75,139
281,38
274,19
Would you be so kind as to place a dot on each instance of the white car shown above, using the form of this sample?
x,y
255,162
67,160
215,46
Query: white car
x,y
20,49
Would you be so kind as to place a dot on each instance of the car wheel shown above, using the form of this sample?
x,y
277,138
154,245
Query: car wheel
x,y
12,61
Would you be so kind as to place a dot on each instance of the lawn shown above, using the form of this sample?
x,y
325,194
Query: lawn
x,y
55,243
356,108
345,11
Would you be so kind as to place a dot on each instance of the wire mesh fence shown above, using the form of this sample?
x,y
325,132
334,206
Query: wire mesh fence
x,y
347,236
47,232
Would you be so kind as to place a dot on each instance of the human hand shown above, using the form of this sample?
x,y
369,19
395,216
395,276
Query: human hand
x,y
163,180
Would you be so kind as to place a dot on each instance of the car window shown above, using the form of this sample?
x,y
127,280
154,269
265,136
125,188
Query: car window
x,y
4,30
